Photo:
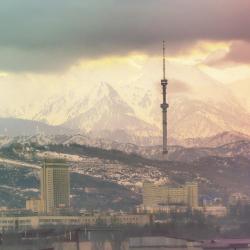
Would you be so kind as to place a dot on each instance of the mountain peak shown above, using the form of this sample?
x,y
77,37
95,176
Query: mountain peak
x,y
105,89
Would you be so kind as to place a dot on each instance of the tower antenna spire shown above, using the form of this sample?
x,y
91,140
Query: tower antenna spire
x,y
164,60
164,105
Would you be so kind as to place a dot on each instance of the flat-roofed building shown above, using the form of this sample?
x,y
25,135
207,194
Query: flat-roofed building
x,y
20,223
55,186
35,205
216,211
155,196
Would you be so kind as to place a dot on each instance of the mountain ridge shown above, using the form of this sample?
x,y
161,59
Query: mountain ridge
x,y
129,112
23,127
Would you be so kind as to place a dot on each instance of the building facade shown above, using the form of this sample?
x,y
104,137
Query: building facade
x,y
155,196
216,211
20,223
55,186
35,205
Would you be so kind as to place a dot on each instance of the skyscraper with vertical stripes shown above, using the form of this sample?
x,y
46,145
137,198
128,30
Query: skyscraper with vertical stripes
x,y
55,186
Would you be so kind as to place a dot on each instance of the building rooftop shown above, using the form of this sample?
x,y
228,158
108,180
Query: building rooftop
x,y
55,163
226,244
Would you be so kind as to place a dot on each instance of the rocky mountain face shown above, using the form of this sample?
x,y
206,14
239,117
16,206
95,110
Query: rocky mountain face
x,y
20,184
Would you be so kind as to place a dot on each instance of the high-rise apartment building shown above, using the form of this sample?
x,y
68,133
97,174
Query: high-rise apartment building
x,y
55,186
155,196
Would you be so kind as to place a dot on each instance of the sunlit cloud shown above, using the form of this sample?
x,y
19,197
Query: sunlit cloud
x,y
133,59
202,52
3,74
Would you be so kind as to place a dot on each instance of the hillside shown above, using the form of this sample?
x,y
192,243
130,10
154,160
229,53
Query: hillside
x,y
214,169
214,172
22,127
20,184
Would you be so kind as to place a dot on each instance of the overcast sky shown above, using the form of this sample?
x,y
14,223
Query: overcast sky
x,y
50,45
52,35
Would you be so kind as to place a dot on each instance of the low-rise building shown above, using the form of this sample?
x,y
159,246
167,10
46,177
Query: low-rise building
x,y
19,223
236,198
157,197
35,205
217,211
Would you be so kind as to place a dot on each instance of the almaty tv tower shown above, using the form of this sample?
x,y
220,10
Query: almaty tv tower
x,y
164,105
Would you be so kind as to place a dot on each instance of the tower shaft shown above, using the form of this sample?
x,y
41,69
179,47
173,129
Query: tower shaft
x,y
164,105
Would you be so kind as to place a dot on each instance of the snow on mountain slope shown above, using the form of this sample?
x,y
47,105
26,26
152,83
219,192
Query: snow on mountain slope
x,y
195,118
100,112
129,110
201,108
109,112
58,109
218,140
241,90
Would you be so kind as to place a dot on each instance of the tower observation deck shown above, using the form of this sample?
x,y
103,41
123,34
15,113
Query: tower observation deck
x,y
164,105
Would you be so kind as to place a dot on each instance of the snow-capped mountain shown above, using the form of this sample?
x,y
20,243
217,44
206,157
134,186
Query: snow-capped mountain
x,y
99,113
129,111
197,118
201,108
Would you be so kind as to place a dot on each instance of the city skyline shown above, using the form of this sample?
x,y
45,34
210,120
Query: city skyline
x,y
124,121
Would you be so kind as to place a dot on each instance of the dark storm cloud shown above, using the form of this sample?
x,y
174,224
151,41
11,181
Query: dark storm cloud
x,y
51,35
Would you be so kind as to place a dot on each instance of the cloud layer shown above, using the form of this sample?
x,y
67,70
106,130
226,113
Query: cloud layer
x,y
239,52
53,35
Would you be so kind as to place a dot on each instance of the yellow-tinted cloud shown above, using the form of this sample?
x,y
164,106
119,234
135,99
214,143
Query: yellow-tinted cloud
x,y
3,74
193,55
132,59
202,50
